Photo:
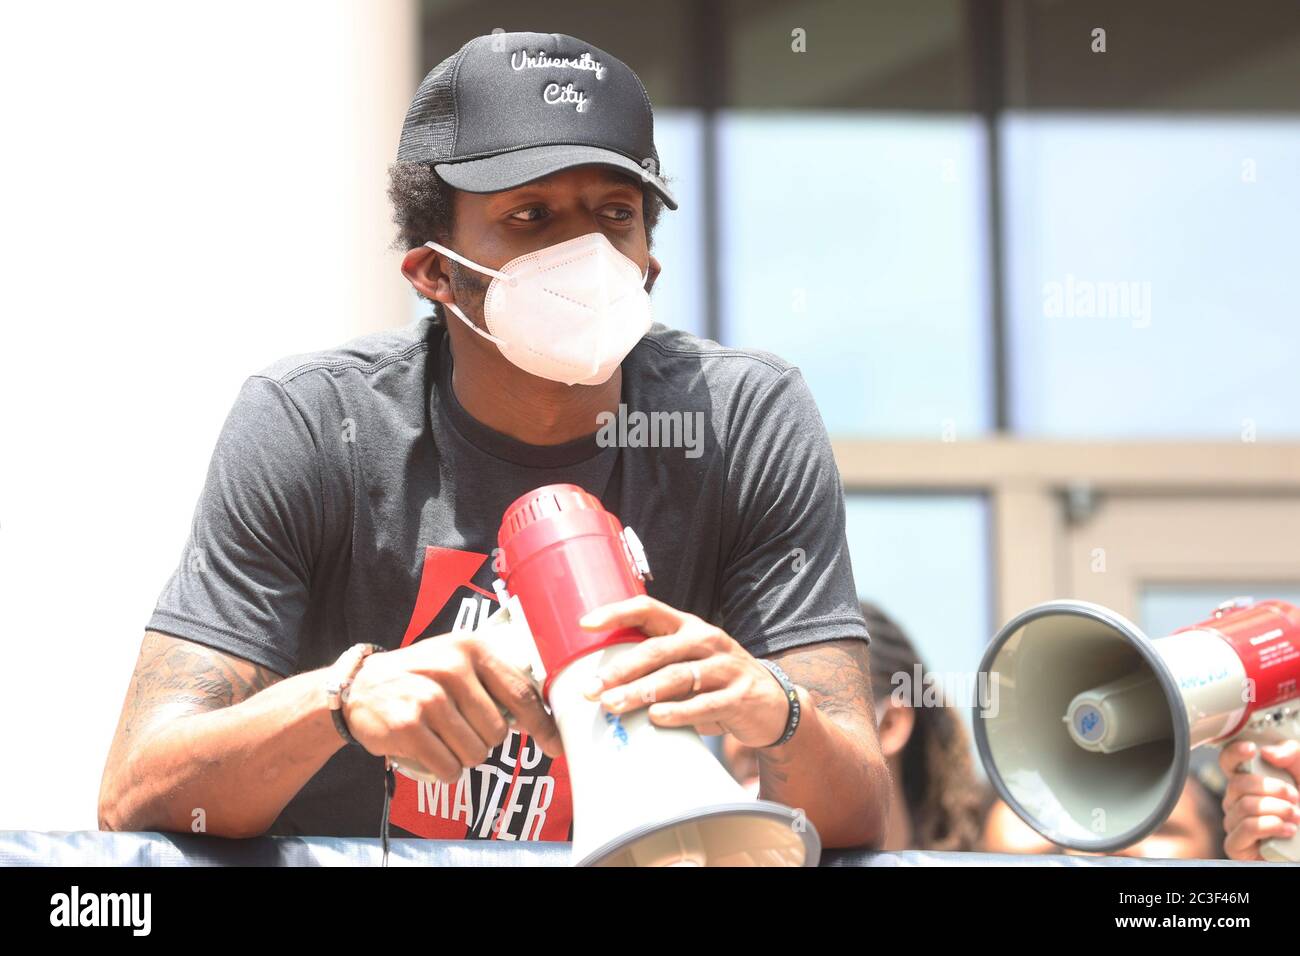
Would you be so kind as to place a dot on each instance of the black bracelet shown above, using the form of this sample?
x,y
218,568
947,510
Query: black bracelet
x,y
342,726
792,695
343,685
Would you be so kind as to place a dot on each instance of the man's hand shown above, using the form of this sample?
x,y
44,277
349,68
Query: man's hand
x,y
688,672
435,702
1257,807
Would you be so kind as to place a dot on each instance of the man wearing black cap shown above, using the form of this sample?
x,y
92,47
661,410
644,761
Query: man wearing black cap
x,y
344,543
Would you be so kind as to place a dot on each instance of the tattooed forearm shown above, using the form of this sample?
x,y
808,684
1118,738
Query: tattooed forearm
x,y
771,765
832,767
174,677
837,674
837,677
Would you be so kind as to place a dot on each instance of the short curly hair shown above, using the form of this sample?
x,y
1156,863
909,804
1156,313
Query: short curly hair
x,y
423,209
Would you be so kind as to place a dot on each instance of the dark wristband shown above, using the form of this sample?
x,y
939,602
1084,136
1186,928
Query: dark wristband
x,y
791,695
339,682
342,726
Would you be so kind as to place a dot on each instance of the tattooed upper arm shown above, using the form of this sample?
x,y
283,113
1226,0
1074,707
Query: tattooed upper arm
x,y
838,676
175,677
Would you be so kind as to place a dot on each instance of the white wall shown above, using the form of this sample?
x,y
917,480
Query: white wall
x,y
187,191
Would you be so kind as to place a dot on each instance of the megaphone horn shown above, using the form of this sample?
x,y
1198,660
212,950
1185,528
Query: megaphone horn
x,y
1089,738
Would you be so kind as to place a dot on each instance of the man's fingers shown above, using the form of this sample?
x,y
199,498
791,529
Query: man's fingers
x,y
700,709
512,689
432,755
644,659
442,713
653,617
675,681
481,711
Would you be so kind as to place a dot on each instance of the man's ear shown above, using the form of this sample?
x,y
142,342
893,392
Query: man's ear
x,y
423,269
655,269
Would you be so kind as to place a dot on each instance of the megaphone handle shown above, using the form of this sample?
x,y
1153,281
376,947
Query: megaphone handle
x,y
1277,849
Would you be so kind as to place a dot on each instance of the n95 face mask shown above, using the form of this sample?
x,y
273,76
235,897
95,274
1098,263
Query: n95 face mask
x,y
569,313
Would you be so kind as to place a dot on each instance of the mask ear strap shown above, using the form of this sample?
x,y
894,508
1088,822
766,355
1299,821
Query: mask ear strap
x,y
473,265
487,335
438,247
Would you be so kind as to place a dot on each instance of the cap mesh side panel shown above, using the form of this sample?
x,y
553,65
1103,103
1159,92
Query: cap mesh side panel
x,y
429,132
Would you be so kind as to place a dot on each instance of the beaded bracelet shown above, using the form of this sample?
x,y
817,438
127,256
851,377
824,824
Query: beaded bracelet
x,y
792,719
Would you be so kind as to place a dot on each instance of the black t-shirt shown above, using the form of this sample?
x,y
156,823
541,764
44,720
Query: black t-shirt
x,y
351,498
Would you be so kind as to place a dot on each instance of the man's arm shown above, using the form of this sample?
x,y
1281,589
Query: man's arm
x,y
206,731
210,741
832,767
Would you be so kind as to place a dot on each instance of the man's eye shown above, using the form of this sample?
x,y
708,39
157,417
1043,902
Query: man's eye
x,y
624,214
522,214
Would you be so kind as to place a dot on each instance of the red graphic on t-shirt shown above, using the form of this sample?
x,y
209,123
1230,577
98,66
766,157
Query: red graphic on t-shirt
x,y
445,570
518,793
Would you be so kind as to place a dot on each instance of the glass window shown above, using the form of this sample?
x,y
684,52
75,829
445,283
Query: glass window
x,y
678,297
853,246
1150,281
924,561
1164,608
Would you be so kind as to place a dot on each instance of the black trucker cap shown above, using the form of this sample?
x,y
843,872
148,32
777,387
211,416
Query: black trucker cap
x,y
508,108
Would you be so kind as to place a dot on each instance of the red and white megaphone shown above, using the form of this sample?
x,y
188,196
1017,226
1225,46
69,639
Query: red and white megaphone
x,y
1088,723
642,795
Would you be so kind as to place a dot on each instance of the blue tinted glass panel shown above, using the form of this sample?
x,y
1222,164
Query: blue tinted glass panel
x,y
1164,608
1151,267
924,560
854,245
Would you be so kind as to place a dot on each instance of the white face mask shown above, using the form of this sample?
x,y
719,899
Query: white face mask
x,y
569,313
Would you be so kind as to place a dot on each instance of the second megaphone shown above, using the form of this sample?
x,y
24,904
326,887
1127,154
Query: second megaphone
x,y
1089,741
